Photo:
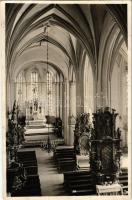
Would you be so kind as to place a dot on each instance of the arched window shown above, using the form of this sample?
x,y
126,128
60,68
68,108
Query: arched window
x,y
19,88
34,85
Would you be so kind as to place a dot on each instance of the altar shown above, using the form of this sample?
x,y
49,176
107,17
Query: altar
x,y
34,110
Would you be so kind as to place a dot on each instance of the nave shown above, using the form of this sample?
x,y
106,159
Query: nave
x,y
67,77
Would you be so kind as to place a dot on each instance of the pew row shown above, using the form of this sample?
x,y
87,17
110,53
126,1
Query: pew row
x,y
79,183
29,161
31,187
65,159
29,178
83,182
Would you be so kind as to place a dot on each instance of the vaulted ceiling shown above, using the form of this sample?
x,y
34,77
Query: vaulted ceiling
x,y
74,31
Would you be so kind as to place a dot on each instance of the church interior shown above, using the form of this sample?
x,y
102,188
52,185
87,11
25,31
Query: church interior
x,y
67,99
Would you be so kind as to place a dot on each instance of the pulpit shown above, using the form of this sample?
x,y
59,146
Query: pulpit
x,y
105,147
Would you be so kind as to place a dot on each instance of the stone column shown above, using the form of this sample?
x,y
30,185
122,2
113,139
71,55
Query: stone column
x,y
12,92
54,104
44,97
79,95
60,100
66,111
72,112
57,100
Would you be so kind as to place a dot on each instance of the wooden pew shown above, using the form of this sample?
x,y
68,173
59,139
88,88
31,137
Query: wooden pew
x,y
67,165
31,170
28,159
26,155
65,159
79,183
31,187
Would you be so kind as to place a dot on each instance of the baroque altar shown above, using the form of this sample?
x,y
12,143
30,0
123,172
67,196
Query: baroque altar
x,y
105,147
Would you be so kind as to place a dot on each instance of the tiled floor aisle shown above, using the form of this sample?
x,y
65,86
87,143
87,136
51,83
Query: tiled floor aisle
x,y
51,181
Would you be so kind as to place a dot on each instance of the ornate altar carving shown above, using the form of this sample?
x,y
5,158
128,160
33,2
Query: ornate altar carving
x,y
105,146
34,110
82,130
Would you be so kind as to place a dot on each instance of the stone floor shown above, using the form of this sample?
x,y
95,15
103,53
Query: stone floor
x,y
51,181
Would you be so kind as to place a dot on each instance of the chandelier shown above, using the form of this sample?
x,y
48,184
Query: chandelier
x,y
47,67
48,145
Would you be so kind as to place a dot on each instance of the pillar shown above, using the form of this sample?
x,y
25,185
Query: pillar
x,y
12,93
57,99
72,112
66,111
79,97
54,94
60,100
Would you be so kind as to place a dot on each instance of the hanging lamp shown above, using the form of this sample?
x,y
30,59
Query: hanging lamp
x,y
48,146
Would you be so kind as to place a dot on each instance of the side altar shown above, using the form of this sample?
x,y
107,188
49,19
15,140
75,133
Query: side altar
x,y
105,149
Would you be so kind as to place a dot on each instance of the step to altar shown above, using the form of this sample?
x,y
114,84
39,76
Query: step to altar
x,y
38,131
35,122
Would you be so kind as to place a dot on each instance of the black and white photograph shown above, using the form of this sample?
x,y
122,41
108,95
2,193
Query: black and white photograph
x,y
67,99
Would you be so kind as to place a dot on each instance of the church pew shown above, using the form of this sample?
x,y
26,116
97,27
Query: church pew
x,y
67,165
59,154
63,152
27,158
32,192
65,159
31,170
82,182
26,154
29,163
31,187
79,183
75,175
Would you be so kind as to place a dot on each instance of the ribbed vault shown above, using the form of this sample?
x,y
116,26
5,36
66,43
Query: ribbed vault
x,y
75,30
